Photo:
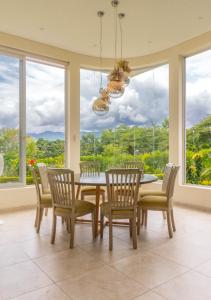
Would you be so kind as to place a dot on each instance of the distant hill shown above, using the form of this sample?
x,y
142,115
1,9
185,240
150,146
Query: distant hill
x,y
48,135
56,135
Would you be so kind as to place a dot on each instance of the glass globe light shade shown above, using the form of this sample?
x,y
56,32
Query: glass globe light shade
x,y
100,107
116,88
127,81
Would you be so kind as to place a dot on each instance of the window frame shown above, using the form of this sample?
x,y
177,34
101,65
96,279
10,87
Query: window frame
x,y
184,105
23,58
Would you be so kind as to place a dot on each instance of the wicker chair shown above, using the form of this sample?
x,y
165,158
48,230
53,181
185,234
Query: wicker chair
x,y
44,201
160,200
122,191
44,178
135,164
42,168
64,203
89,168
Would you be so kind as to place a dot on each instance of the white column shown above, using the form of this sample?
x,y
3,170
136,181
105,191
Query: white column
x,y
73,116
176,134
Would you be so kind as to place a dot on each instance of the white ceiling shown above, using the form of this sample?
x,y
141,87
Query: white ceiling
x,y
149,26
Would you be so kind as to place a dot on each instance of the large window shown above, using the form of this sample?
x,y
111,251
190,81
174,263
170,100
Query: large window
x,y
45,117
9,119
135,128
198,119
32,119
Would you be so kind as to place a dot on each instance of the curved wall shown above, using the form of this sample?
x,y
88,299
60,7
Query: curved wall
x,y
184,194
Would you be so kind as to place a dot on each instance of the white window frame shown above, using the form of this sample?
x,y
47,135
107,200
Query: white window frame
x,y
22,108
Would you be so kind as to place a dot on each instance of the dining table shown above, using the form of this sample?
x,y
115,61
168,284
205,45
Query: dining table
x,y
99,180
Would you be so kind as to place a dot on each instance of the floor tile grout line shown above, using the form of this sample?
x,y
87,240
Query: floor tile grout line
x,y
182,265
31,291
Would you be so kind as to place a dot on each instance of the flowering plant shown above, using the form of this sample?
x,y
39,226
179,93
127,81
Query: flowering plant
x,y
32,163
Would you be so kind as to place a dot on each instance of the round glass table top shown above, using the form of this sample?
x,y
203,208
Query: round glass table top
x,y
101,179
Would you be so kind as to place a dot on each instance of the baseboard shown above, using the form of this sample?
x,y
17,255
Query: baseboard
x,y
15,209
193,206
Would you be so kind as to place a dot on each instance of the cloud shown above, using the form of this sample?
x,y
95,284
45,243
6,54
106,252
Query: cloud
x,y
144,102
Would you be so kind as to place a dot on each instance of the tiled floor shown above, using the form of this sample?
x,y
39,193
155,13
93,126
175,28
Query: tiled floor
x,y
161,268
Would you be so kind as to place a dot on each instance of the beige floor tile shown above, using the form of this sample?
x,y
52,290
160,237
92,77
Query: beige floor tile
x,y
11,254
69,263
83,234
149,296
102,284
205,268
148,239
21,278
184,253
51,292
41,246
149,269
100,249
190,286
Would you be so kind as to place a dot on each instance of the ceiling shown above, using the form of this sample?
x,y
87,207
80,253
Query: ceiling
x,y
149,26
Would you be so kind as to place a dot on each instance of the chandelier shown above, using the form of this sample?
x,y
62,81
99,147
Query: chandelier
x,y
118,78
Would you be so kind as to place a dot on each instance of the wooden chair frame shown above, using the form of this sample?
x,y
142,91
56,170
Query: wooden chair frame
x,y
62,187
122,191
171,171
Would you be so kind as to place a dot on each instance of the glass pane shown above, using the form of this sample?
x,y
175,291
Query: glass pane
x,y
135,128
9,120
198,119
45,116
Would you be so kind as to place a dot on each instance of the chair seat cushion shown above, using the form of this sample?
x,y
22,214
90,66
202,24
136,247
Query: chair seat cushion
x,y
46,199
144,193
153,201
81,208
115,212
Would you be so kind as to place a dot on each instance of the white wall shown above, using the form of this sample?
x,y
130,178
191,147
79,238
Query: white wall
x,y
189,195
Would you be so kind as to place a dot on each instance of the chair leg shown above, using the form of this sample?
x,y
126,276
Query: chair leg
x,y
142,217
134,235
101,225
164,215
36,218
103,197
78,192
169,224
46,211
138,220
72,232
40,213
53,233
68,225
93,224
172,220
131,227
145,217
110,234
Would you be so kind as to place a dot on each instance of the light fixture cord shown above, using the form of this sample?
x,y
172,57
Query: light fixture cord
x,y
121,36
101,77
115,31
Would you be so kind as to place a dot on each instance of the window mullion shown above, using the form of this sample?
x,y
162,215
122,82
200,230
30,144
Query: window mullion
x,y
22,137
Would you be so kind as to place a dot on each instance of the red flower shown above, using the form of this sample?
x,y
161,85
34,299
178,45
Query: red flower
x,y
32,162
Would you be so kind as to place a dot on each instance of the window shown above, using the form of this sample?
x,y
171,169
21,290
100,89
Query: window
x,y
198,119
136,127
31,127
45,117
9,120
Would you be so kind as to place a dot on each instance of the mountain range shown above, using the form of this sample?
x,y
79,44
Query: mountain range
x,y
55,135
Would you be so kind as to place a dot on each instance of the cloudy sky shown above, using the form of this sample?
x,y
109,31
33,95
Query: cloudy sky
x,y
144,102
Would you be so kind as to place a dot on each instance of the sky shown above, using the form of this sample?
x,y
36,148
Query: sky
x,y
145,101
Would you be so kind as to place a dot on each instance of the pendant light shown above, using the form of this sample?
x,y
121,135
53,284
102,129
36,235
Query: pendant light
x,y
101,105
